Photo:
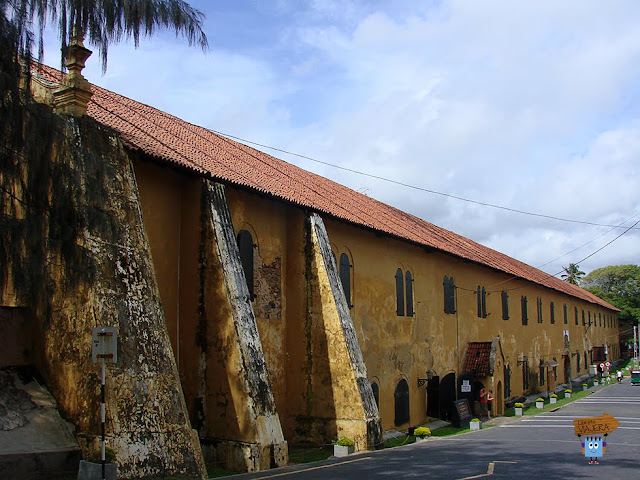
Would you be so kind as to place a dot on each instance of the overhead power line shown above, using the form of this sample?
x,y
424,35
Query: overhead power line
x,y
414,187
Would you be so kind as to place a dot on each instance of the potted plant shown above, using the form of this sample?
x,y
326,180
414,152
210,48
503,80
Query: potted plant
x,y
519,406
585,386
540,403
567,393
344,446
553,398
422,433
475,424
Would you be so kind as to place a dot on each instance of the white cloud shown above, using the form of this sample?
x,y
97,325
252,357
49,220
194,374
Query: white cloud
x,y
530,105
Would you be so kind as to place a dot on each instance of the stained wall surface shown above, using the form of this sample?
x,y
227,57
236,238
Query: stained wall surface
x,y
394,346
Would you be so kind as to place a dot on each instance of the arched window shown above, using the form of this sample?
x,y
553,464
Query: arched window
x,y
376,393
399,293
409,289
401,397
245,245
345,277
505,307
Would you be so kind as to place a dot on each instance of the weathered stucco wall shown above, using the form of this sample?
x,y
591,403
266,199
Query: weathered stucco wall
x,y
233,343
396,347
98,271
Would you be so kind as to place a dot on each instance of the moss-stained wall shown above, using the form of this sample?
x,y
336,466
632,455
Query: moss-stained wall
x,y
289,306
84,261
397,347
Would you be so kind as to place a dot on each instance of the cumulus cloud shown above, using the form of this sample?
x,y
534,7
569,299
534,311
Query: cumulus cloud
x,y
530,105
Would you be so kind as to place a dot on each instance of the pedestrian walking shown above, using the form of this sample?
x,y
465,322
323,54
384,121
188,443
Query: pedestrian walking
x,y
483,402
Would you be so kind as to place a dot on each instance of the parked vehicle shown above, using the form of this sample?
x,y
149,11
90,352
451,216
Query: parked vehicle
x,y
635,377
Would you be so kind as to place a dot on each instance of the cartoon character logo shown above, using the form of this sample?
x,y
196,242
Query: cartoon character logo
x,y
594,447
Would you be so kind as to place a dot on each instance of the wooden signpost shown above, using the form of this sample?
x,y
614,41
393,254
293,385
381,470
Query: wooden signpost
x,y
603,425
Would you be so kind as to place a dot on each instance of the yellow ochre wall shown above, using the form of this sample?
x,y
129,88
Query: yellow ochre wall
x,y
393,347
406,347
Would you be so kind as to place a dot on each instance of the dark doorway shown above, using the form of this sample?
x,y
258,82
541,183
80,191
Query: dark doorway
x,y
433,397
447,395
401,396
567,368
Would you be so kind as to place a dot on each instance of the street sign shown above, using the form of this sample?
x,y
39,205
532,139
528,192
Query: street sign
x,y
595,425
466,386
105,344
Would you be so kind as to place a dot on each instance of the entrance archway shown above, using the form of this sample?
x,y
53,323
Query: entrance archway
x,y
401,397
447,396
433,397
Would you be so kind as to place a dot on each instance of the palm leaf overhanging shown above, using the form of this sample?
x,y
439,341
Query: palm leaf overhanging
x,y
102,22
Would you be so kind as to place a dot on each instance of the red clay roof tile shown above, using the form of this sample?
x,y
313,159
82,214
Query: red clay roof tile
x,y
174,141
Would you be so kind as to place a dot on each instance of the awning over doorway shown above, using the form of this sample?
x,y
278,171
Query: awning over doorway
x,y
477,359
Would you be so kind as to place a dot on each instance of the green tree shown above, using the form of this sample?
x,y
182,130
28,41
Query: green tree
x,y
100,22
572,274
620,286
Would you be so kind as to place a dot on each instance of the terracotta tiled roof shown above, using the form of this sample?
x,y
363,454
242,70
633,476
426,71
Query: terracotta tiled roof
x,y
173,141
477,359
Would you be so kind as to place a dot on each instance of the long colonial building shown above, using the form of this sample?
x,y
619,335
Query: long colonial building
x,y
298,310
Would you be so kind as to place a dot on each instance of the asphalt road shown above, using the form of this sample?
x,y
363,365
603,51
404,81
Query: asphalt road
x,y
535,447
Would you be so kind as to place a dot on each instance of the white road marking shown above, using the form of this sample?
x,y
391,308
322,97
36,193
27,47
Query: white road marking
x,y
490,470
317,468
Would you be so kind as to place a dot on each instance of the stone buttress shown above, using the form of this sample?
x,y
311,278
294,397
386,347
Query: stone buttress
x,y
354,409
240,427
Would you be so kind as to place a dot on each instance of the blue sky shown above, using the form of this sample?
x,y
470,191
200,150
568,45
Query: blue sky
x,y
530,105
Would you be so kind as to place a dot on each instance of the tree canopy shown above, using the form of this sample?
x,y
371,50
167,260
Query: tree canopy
x,y
618,285
572,274
101,22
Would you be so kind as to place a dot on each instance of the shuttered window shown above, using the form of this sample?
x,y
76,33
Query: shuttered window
x,y
449,289
345,277
376,393
409,290
539,307
399,293
245,245
525,314
505,305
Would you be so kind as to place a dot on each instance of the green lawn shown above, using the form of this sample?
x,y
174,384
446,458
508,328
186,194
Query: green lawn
x,y
309,454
